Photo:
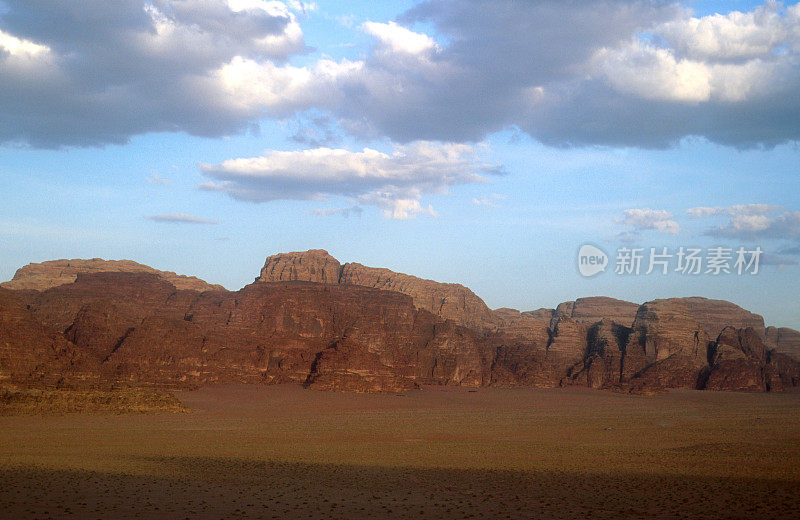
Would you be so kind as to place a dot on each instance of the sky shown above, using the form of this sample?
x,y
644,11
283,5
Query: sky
x,y
476,142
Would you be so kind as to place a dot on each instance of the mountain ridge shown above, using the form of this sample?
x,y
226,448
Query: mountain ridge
x,y
310,319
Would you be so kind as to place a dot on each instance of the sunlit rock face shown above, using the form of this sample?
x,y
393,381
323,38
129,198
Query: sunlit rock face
x,y
310,320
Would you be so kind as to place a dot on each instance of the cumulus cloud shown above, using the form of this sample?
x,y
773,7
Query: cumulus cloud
x,y
396,38
91,72
752,222
582,73
609,72
394,182
732,37
181,218
757,227
646,218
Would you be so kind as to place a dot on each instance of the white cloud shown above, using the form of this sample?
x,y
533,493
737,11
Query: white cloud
x,y
581,73
20,47
754,221
492,200
736,210
399,39
282,90
106,71
745,226
733,36
394,182
646,218
752,209
704,211
653,73
181,218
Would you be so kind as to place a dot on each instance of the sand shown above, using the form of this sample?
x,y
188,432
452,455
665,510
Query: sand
x,y
285,452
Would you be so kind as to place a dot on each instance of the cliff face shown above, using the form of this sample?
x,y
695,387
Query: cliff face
x,y
784,340
446,300
137,328
35,354
591,310
314,265
45,275
714,315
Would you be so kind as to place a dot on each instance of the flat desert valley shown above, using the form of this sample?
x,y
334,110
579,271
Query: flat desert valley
x,y
287,452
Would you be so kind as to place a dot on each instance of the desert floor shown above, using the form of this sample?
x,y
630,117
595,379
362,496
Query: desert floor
x,y
285,452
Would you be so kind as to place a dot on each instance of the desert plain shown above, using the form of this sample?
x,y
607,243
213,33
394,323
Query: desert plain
x,y
281,451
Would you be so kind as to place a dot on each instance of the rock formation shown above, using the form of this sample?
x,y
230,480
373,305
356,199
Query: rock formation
x,y
591,310
784,340
35,354
42,276
447,300
533,326
714,315
138,329
602,366
739,360
333,327
314,265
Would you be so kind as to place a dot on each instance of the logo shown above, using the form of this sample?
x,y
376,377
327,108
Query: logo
x,y
591,260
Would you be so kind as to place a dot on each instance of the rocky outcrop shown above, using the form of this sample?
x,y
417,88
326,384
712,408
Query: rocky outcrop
x,y
135,295
346,366
567,338
139,329
704,344
446,300
784,340
533,326
34,354
602,366
665,328
593,309
45,275
739,360
714,315
669,342
314,265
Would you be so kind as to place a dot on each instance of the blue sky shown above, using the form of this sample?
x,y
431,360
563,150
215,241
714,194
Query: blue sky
x,y
473,142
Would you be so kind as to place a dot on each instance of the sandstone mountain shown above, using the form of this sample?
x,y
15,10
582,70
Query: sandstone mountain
x,y
44,275
447,300
784,340
311,320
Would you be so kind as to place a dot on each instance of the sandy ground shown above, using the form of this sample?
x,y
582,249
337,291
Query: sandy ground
x,y
285,452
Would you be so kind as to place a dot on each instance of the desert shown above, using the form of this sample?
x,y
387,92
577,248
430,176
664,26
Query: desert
x,y
310,395
245,451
